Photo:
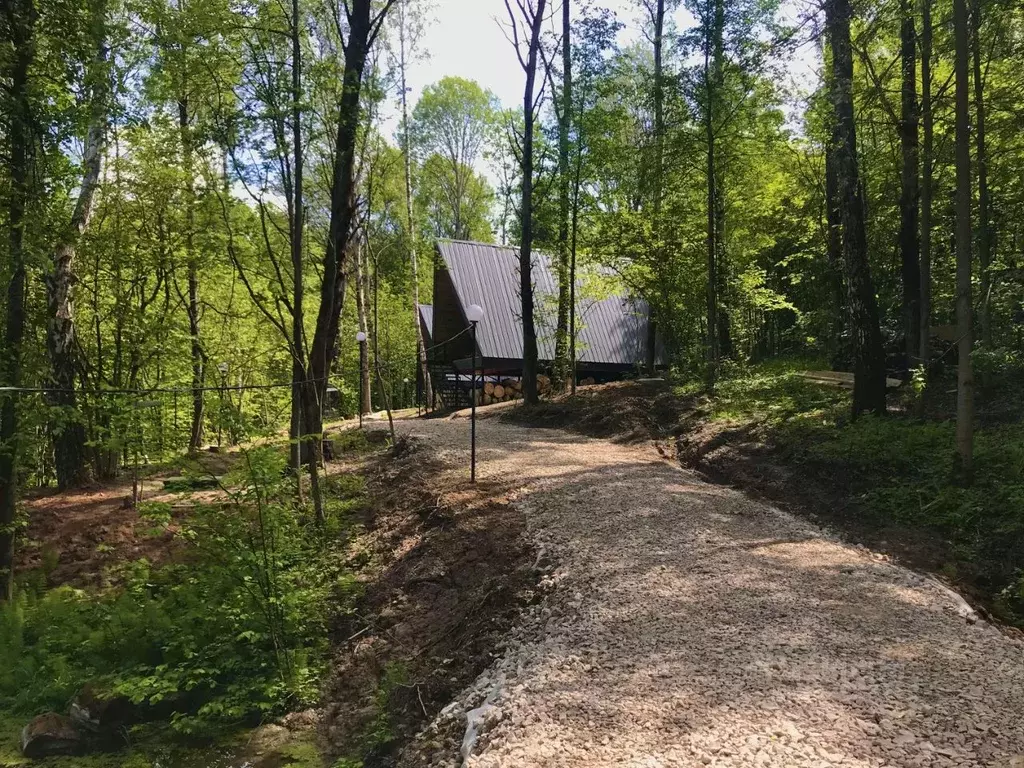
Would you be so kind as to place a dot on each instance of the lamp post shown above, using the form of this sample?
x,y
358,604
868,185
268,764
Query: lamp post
x,y
474,313
405,392
361,338
223,368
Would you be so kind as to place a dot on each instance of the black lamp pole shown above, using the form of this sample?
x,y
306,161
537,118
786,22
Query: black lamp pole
x,y
472,437
223,368
361,338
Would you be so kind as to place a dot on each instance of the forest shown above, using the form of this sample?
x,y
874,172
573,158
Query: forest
x,y
205,200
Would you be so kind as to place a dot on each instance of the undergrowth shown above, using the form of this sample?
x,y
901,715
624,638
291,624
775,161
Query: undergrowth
x,y
901,468
233,632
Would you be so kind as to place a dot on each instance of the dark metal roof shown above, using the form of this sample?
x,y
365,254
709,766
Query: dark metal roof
x,y
427,319
611,330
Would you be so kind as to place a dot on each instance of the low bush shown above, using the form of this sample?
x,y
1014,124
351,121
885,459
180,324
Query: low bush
x,y
235,630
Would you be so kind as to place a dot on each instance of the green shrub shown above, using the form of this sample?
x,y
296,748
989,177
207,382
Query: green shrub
x,y
901,469
235,630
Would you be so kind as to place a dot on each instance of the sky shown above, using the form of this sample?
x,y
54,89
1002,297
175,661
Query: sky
x,y
467,39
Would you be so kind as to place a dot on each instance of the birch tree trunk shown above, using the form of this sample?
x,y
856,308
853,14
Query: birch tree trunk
x,y
69,441
405,43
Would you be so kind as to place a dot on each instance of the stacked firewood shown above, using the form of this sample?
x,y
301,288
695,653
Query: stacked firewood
x,y
508,389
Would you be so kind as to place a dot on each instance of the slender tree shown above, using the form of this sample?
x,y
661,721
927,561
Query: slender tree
x,y
984,202
363,28
408,38
964,310
656,12
712,32
359,252
565,290
297,215
19,18
927,170
909,188
862,306
527,27
71,460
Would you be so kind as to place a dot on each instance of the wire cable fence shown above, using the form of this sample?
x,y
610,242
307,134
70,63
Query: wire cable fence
x,y
156,423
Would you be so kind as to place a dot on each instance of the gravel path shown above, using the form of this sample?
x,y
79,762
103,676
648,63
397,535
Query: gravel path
x,y
687,625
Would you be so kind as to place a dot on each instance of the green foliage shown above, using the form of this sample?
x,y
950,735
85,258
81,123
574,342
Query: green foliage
x,y
901,469
449,130
236,630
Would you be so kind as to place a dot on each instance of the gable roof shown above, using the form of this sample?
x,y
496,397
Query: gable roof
x,y
427,320
612,330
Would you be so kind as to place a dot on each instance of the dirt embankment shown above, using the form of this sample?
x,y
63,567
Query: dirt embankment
x,y
448,570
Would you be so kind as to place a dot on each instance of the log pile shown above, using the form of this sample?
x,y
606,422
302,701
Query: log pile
x,y
503,390
499,391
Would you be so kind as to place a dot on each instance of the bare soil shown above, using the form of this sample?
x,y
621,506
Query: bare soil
x,y
448,571
78,537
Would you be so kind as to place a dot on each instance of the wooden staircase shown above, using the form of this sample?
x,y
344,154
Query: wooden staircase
x,y
452,392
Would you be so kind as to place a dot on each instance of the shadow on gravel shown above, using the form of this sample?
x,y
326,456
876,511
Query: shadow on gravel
x,y
709,614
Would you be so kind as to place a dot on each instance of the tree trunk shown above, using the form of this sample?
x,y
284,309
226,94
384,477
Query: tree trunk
x,y
410,224
298,212
332,291
659,167
869,359
526,212
924,333
834,249
984,216
21,17
192,305
724,338
713,351
965,374
71,460
909,196
564,184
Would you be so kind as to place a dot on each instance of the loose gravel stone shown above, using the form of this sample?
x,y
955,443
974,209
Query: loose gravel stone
x,y
687,625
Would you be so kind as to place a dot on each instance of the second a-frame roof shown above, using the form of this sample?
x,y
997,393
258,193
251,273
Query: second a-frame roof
x,y
612,330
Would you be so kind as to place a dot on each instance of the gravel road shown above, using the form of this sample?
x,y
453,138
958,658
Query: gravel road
x,y
687,625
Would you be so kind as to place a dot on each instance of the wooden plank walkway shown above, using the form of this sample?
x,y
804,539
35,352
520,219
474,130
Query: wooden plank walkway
x,y
842,379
